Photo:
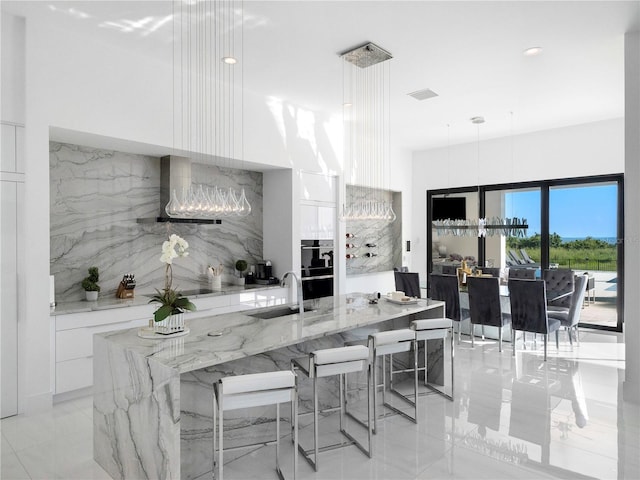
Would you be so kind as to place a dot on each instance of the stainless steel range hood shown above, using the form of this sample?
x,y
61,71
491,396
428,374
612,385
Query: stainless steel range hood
x,y
175,174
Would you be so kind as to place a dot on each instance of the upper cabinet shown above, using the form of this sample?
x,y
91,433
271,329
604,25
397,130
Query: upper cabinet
x,y
12,156
317,187
317,206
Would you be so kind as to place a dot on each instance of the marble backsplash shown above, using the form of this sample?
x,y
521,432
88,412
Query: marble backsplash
x,y
96,197
386,236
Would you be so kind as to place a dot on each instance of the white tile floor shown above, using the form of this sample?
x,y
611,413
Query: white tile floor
x,y
512,418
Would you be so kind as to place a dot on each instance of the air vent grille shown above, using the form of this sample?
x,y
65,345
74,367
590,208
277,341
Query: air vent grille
x,y
423,94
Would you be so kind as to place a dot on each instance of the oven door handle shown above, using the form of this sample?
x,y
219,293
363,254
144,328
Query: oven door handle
x,y
320,277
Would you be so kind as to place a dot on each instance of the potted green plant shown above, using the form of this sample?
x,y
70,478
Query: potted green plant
x,y
168,317
241,267
90,285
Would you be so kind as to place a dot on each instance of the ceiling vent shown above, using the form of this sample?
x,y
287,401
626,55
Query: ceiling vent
x,y
423,94
366,55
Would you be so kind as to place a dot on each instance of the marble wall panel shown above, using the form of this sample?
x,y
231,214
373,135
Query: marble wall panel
x,y
386,236
96,197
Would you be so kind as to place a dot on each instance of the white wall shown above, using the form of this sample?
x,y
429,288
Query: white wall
x,y
590,149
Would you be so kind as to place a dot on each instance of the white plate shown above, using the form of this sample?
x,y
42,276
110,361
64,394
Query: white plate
x,y
402,302
147,332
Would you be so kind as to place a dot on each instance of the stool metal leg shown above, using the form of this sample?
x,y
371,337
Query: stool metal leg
x,y
278,442
315,423
215,414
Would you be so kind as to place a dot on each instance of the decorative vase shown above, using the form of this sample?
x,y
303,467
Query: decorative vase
x,y
91,296
215,282
171,324
239,281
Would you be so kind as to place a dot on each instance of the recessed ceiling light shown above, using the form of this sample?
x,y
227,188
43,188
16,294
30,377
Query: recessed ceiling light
x,y
477,120
347,104
532,52
229,60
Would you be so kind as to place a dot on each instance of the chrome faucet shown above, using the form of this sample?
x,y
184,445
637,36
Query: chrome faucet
x,y
298,289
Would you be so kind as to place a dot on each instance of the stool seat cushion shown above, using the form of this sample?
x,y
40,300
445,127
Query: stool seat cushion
x,y
393,336
340,354
432,323
256,382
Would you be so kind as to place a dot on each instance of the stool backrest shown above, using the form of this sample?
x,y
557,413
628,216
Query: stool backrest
x,y
445,289
528,305
484,301
408,282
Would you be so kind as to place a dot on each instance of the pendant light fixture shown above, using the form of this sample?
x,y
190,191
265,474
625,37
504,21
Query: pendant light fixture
x,y
481,227
366,72
207,68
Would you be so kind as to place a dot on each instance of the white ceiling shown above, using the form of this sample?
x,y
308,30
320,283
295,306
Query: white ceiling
x,y
470,53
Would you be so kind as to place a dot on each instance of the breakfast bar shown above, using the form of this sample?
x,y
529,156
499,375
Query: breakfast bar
x,y
153,398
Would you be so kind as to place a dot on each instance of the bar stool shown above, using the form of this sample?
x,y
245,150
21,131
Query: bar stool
x,y
386,343
256,390
329,362
433,329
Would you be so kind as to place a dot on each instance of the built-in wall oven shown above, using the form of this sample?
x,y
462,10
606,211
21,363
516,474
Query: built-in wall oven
x,y
317,268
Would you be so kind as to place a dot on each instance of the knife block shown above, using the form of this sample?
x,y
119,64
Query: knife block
x,y
123,292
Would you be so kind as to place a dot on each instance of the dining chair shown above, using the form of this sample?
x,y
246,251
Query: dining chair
x,y
484,306
522,273
529,311
408,282
445,289
570,319
560,283
493,271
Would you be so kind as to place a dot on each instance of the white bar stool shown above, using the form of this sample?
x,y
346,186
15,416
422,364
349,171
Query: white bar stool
x,y
386,343
433,329
329,362
256,390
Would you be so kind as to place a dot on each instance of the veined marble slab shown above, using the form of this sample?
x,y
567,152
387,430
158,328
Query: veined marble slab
x,y
96,197
152,399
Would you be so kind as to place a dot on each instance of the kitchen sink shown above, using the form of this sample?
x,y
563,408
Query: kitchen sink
x,y
278,312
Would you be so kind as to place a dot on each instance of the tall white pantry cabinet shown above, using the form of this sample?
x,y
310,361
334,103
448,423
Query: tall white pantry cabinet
x,y
11,229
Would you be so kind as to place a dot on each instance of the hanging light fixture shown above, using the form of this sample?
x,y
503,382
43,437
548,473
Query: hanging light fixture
x,y
366,74
207,39
481,227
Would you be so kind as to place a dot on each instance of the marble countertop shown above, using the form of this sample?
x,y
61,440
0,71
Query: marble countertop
x,y
111,302
244,335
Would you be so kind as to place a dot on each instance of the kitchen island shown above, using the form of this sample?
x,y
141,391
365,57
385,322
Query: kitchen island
x,y
153,398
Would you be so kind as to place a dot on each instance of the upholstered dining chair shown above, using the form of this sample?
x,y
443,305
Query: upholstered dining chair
x,y
493,271
484,306
522,273
445,289
408,282
570,319
529,311
560,282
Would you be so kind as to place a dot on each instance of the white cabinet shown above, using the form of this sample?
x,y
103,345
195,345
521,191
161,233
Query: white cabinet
x,y
317,222
73,348
317,206
318,187
11,225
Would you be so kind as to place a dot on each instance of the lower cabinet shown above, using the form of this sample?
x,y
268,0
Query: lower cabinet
x,y
73,350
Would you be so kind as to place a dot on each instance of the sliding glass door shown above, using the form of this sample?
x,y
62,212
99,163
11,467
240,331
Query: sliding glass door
x,y
572,223
583,226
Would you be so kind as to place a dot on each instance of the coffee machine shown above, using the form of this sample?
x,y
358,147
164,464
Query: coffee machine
x,y
264,273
